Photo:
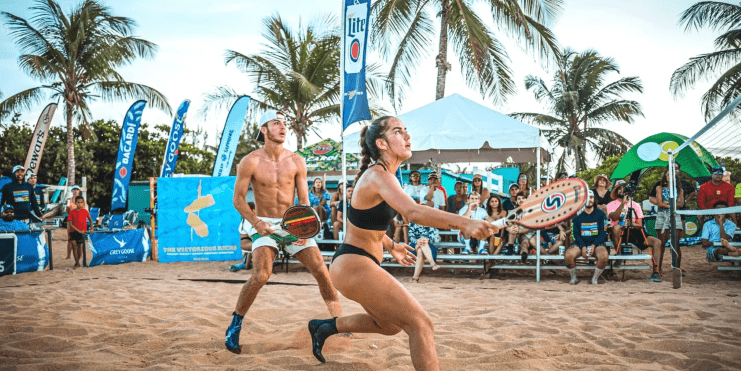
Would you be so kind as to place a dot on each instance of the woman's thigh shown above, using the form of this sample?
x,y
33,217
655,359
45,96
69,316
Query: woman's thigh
x,y
359,279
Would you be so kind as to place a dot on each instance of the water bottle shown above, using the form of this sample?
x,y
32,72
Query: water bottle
x,y
517,248
561,250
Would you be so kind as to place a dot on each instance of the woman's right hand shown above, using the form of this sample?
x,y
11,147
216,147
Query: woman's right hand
x,y
480,229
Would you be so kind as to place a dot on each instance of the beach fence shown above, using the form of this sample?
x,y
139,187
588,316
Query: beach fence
x,y
25,251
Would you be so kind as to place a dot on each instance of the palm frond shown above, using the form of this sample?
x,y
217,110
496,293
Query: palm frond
x,y
221,99
713,14
700,68
22,101
111,91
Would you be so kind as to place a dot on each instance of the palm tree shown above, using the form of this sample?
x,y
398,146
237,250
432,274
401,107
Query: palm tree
x,y
724,63
75,56
482,58
579,101
297,72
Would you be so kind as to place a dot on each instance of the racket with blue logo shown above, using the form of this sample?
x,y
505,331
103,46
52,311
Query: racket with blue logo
x,y
549,205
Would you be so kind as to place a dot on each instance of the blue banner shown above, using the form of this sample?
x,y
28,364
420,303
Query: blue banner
x,y
8,253
196,220
230,137
119,247
354,41
126,151
173,142
33,252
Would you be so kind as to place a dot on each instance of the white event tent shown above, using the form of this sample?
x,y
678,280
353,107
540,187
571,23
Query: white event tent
x,y
455,129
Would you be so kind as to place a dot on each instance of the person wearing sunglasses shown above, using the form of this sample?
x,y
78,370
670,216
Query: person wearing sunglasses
x,y
478,187
716,190
524,184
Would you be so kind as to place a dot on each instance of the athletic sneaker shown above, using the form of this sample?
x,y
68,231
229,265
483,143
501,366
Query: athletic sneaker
x,y
232,334
236,267
483,251
465,251
655,277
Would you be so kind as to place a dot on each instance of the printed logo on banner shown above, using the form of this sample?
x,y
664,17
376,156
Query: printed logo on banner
x,y
355,38
126,150
38,141
356,29
176,133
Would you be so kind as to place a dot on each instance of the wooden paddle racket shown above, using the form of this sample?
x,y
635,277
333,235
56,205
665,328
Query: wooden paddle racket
x,y
299,221
549,205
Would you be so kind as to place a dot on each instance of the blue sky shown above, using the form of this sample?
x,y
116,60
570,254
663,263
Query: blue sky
x,y
643,36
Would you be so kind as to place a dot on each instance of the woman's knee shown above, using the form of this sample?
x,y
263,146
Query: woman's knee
x,y
422,323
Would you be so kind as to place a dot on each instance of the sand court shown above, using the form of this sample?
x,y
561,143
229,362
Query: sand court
x,y
173,316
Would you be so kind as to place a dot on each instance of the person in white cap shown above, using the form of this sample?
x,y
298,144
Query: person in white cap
x,y
274,173
20,194
589,240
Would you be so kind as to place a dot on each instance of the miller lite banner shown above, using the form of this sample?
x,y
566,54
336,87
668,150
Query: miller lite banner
x,y
126,150
355,38
230,137
173,142
38,140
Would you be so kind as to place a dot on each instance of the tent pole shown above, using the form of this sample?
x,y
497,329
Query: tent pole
x,y
537,233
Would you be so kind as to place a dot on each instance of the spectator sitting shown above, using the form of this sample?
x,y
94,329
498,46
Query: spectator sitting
x,y
727,177
562,175
334,201
318,197
31,179
601,189
412,189
715,190
431,194
557,237
422,239
474,211
338,224
631,231
495,211
458,200
477,185
524,184
589,237
712,232
518,233
8,223
511,202
18,193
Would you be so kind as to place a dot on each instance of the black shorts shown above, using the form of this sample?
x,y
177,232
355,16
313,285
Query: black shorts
x,y
76,236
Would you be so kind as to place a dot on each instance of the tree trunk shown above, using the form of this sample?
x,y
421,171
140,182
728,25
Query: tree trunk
x,y
442,57
70,145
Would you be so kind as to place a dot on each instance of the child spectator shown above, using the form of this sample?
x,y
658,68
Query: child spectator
x,y
77,224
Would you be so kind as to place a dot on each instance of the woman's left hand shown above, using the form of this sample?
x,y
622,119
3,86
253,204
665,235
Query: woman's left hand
x,y
403,253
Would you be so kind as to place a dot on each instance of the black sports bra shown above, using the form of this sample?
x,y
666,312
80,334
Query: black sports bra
x,y
376,218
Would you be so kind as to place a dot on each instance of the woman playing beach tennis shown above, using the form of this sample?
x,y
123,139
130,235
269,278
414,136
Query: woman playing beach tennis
x,y
356,270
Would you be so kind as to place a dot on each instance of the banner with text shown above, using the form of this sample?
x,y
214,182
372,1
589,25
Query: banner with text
x,y
197,220
173,142
118,247
354,41
33,252
126,151
230,137
8,252
38,140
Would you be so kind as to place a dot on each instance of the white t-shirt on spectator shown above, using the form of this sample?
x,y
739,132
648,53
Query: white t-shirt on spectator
x,y
438,198
478,214
413,191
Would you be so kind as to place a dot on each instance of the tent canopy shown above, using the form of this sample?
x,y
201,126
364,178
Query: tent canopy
x,y
456,129
652,152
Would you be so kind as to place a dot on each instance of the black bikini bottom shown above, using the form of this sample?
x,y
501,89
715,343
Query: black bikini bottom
x,y
350,249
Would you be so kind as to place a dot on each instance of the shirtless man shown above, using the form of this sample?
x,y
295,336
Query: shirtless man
x,y
274,174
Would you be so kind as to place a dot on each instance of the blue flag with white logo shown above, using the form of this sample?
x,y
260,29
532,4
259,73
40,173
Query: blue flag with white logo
x,y
173,142
126,150
354,40
230,137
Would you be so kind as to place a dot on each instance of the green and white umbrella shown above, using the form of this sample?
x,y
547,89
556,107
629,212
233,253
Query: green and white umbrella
x,y
653,152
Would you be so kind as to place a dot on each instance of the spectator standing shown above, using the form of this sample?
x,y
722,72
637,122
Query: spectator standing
x,y
663,217
38,192
77,225
716,190
712,232
458,200
511,202
477,186
19,194
689,189
431,194
601,189
318,199
474,211
76,191
623,231
589,238
524,184
8,222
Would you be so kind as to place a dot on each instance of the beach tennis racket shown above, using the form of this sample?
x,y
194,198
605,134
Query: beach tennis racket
x,y
299,221
549,205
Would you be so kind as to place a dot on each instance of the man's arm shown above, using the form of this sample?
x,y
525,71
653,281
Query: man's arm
x,y
302,186
245,168
615,215
576,231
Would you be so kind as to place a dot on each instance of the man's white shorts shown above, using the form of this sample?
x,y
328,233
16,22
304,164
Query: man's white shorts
x,y
268,241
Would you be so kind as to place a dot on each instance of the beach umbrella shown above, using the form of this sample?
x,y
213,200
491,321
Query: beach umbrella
x,y
653,152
